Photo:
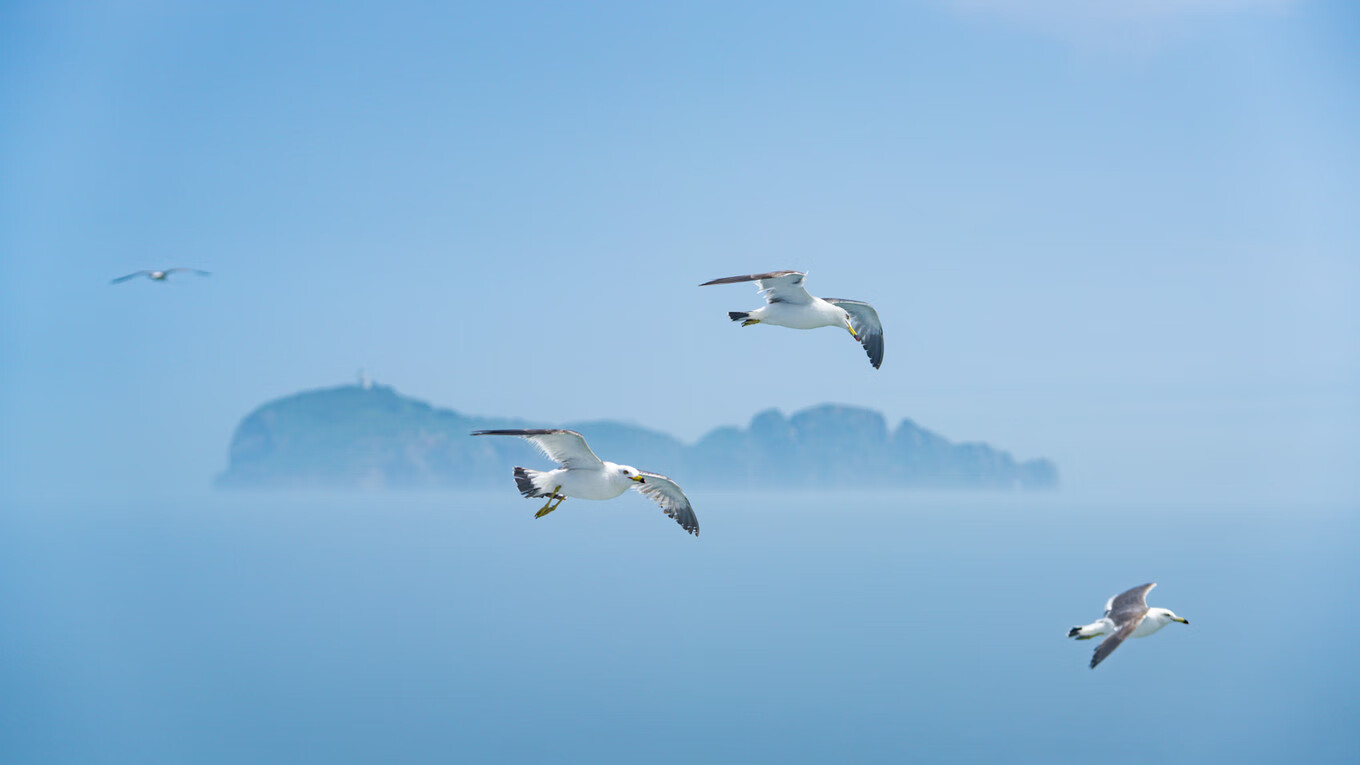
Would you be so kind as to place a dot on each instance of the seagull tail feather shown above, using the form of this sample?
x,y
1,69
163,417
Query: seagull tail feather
x,y
738,315
524,481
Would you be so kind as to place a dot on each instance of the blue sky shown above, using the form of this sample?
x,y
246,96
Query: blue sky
x,y
1126,241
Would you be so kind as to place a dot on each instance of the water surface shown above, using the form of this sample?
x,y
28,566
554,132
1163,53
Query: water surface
x,y
810,627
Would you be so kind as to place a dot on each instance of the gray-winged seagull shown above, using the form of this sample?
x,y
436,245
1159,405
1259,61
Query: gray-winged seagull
x,y
1126,615
788,304
159,276
585,476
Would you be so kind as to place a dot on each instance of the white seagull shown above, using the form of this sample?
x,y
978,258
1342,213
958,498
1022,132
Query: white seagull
x,y
159,276
1126,615
585,476
788,304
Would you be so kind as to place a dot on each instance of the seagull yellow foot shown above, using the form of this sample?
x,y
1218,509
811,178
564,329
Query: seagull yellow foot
x,y
548,506
749,322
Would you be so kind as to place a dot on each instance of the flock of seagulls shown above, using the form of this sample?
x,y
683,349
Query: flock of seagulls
x,y
582,475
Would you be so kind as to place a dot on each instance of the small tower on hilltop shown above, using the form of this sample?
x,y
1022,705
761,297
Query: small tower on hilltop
x,y
365,381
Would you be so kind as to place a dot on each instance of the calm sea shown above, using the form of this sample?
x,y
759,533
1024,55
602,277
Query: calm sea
x,y
802,628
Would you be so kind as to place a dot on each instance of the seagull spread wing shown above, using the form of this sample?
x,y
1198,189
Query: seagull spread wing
x,y
1128,604
132,275
667,494
169,271
868,328
565,446
776,286
1112,642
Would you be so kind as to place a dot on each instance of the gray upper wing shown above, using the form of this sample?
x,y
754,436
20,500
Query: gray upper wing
x,y
1112,642
751,278
868,328
776,286
672,500
129,276
1129,604
565,446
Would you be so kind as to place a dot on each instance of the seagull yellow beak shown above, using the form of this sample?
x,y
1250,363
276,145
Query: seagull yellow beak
x,y
1182,621
639,479
852,331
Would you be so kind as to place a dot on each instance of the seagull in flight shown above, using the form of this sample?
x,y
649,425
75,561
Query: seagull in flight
x,y
788,304
1126,615
585,476
159,276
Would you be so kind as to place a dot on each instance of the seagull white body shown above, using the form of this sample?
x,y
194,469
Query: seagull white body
x,y
1156,619
788,304
585,476
812,315
1127,615
607,483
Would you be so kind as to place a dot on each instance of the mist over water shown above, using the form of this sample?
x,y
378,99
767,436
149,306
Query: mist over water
x,y
248,627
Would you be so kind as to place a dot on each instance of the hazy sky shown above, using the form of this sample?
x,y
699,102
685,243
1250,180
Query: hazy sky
x,y
1128,240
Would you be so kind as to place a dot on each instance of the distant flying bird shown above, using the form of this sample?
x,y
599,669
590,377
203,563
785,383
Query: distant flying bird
x,y
585,476
159,276
788,304
1126,615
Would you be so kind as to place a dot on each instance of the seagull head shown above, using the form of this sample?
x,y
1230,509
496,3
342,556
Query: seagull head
x,y
631,473
850,326
1166,615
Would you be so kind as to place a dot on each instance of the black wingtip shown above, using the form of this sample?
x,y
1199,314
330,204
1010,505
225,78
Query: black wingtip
x,y
873,347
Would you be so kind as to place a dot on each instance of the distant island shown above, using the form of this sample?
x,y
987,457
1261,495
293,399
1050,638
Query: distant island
x,y
370,436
